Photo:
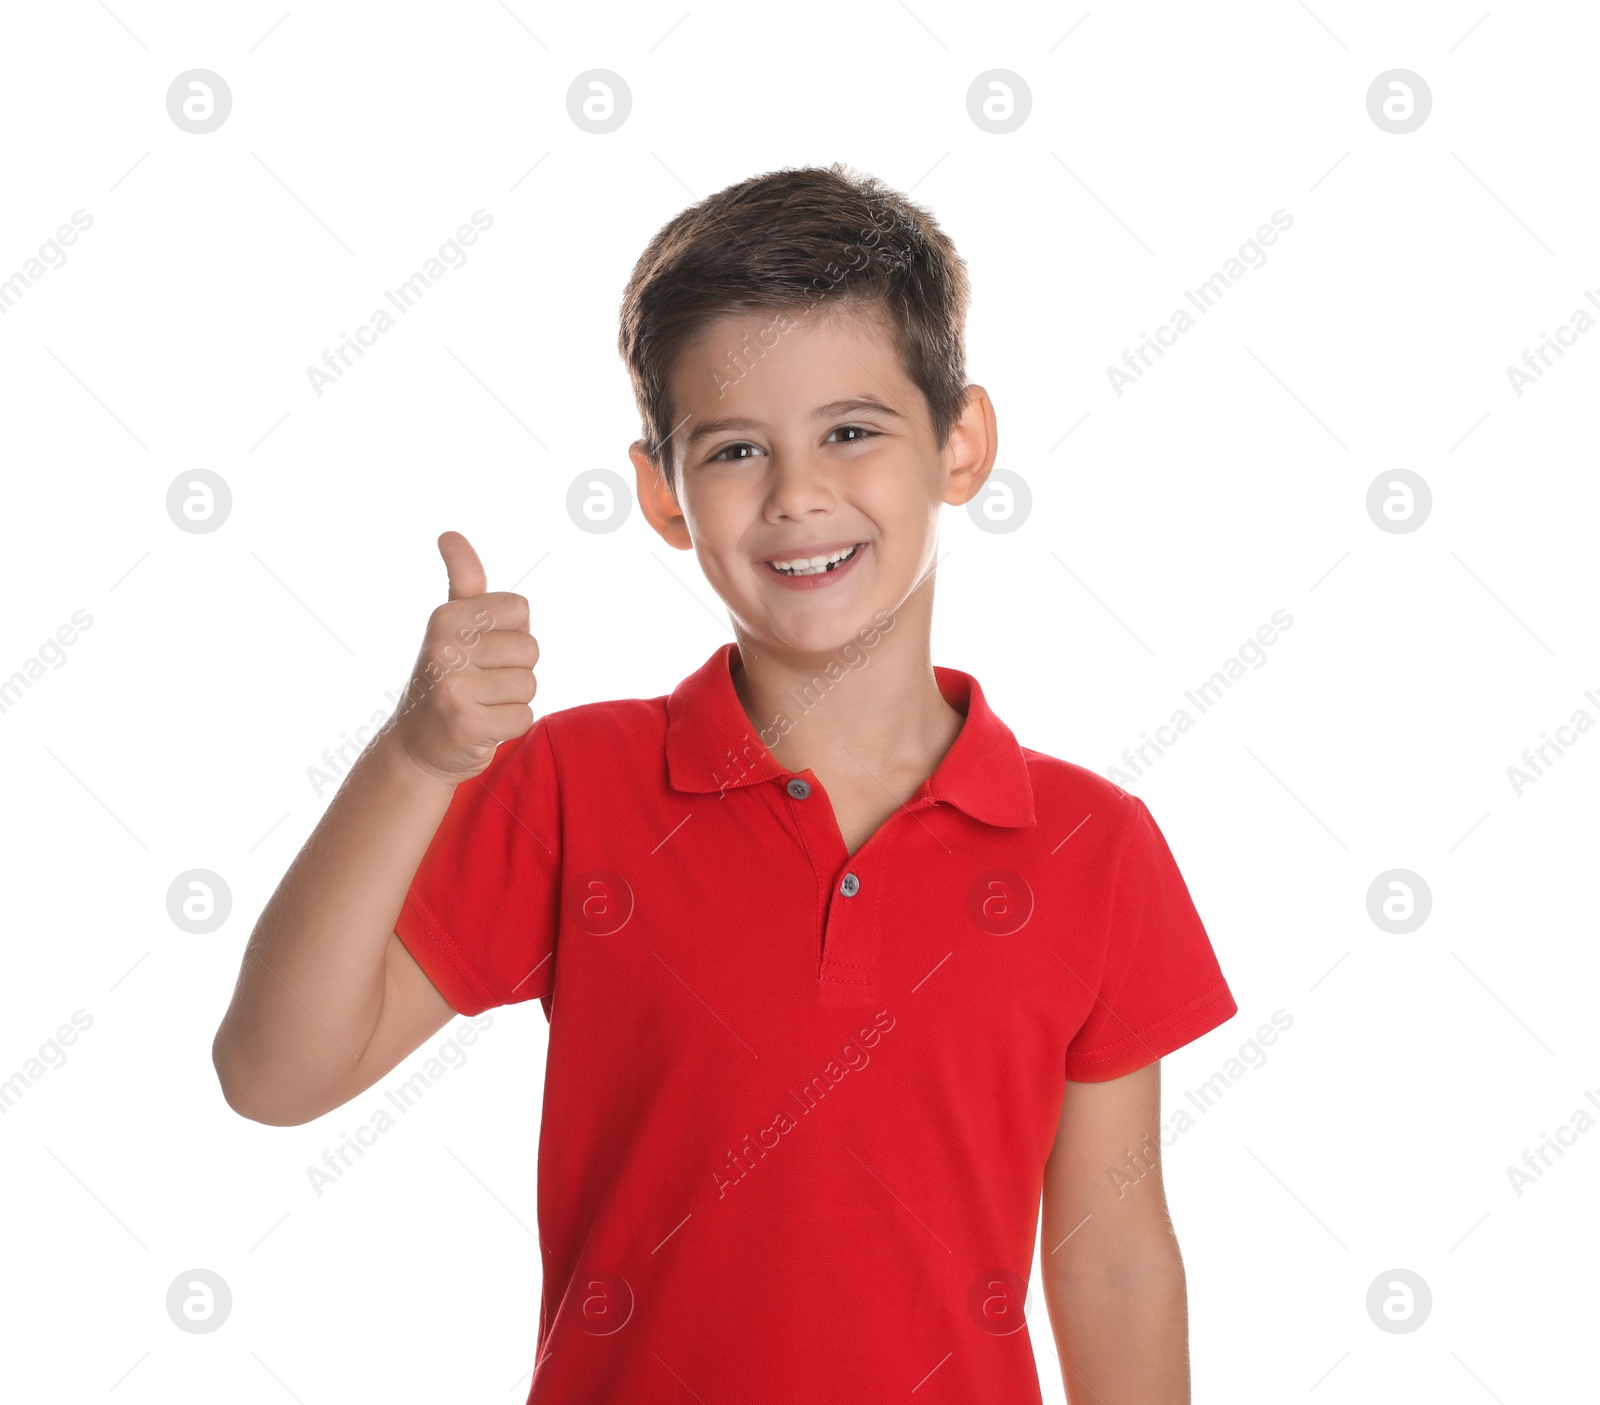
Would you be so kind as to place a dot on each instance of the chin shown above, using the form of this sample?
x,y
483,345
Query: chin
x,y
841,634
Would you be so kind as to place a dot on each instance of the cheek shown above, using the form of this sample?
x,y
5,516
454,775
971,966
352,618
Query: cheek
x,y
717,528
723,507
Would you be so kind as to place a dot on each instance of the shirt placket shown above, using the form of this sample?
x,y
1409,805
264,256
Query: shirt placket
x,y
849,889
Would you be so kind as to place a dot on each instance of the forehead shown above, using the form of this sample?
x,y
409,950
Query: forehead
x,y
783,358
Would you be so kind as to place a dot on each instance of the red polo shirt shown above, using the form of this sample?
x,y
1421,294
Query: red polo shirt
x,y
798,1102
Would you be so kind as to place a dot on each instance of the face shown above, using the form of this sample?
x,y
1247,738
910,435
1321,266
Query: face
x,y
810,443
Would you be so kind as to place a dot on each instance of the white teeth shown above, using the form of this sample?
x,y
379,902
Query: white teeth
x,y
813,565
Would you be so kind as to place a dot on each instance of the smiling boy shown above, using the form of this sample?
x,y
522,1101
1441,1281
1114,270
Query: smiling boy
x,y
843,983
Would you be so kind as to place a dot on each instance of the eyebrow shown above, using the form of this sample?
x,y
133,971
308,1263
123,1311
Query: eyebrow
x,y
832,410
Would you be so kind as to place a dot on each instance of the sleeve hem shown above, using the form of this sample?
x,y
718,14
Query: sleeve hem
x,y
1212,1007
432,947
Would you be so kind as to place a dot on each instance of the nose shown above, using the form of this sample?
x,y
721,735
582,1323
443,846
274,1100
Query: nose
x,y
800,484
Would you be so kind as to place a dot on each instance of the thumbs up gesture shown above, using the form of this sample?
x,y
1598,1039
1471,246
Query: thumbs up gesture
x,y
474,679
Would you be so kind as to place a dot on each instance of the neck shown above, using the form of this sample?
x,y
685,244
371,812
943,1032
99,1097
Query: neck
x,y
862,710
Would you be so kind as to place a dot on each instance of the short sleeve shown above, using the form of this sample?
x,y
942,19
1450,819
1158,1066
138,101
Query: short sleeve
x,y
482,912
1160,984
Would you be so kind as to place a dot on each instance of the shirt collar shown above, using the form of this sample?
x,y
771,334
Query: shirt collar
x,y
712,745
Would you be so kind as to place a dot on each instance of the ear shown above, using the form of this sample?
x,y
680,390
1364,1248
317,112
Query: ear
x,y
970,454
656,501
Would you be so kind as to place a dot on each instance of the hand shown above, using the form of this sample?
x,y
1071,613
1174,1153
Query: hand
x,y
474,676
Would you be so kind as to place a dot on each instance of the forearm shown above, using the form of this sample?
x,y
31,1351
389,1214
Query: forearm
x,y
1121,1328
311,984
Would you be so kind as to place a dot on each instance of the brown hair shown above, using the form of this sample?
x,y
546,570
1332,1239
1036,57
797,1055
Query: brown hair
x,y
798,238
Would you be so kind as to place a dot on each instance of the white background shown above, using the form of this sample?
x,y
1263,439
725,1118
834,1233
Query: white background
x,y
1229,482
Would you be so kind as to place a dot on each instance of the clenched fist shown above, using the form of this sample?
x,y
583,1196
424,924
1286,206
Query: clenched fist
x,y
474,676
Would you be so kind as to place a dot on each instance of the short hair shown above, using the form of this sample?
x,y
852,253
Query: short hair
x,y
795,241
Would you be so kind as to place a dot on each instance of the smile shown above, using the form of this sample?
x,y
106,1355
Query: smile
x,y
815,565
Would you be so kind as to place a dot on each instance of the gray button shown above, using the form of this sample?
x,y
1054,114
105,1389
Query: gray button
x,y
799,788
851,885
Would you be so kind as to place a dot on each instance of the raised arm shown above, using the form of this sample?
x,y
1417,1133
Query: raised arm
x,y
328,1000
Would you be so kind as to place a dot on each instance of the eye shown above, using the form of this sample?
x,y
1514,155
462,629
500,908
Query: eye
x,y
727,453
726,448
861,430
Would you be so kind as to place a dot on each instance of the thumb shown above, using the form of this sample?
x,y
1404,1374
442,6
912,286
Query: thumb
x,y
465,570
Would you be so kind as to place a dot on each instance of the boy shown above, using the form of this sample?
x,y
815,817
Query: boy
x,y
848,980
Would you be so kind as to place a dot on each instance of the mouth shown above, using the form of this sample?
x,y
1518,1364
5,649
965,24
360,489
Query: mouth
x,y
819,565
820,570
